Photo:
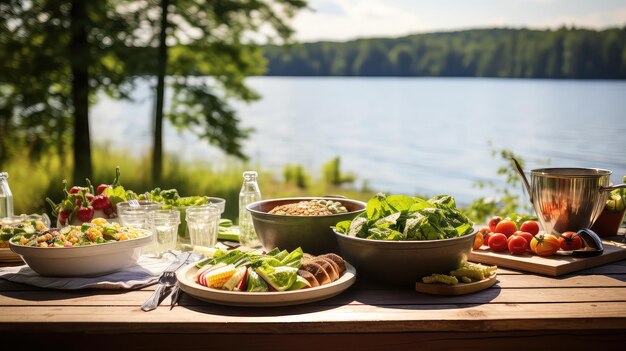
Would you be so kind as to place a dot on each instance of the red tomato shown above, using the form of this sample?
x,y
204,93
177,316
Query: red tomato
x,y
531,227
544,245
493,222
497,242
570,241
517,244
529,237
506,227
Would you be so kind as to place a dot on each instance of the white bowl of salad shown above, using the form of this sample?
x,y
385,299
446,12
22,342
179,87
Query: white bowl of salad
x,y
91,249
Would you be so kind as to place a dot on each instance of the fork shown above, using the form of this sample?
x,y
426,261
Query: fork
x,y
194,257
166,282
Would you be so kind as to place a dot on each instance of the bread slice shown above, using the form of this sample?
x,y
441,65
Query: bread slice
x,y
339,261
318,272
330,270
309,277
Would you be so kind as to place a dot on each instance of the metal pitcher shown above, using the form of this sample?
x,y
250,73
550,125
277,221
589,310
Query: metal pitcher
x,y
567,199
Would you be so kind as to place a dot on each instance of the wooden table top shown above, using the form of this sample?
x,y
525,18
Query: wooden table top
x,y
577,309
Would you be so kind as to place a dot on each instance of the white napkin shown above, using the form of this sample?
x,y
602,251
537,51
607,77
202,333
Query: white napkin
x,y
146,272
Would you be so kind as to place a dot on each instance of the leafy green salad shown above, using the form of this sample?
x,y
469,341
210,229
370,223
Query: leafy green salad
x,y
276,270
402,217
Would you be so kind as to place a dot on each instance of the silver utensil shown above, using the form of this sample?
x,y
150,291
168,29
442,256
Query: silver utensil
x,y
176,293
166,281
567,199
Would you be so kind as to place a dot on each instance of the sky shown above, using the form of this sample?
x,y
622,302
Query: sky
x,y
340,20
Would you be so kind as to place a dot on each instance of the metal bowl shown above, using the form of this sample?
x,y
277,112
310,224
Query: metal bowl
x,y
404,262
312,233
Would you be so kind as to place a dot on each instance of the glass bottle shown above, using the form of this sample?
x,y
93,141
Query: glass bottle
x,y
249,193
6,197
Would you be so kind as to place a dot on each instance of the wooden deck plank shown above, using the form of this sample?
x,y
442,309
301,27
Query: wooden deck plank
x,y
493,295
304,319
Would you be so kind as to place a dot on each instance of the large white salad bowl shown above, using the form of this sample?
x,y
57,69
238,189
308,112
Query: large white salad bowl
x,y
83,261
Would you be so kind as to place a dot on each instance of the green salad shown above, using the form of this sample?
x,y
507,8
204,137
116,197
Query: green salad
x,y
402,217
276,270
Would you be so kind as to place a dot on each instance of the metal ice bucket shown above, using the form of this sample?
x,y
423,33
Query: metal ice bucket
x,y
568,199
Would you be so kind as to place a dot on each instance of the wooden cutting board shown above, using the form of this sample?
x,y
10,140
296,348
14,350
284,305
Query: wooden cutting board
x,y
554,265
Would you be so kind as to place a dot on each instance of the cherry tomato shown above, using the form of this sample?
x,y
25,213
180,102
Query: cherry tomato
x,y
493,222
529,237
506,227
531,227
545,245
517,244
570,241
497,242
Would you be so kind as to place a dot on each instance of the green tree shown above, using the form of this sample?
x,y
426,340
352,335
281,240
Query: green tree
x,y
55,56
208,39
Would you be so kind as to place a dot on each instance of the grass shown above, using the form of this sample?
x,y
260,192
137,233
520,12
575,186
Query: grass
x,y
31,181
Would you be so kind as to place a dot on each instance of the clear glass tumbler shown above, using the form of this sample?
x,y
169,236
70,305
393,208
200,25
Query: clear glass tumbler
x,y
203,224
136,216
164,224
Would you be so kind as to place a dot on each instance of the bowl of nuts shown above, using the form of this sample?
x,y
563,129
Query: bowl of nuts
x,y
304,222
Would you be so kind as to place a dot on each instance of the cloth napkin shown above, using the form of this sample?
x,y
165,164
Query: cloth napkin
x,y
145,272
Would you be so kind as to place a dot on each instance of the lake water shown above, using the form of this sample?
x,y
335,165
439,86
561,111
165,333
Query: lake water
x,y
404,135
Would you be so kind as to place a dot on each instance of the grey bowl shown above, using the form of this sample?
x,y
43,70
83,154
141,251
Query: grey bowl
x,y
404,262
312,233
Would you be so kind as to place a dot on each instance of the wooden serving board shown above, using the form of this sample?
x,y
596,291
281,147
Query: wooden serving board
x,y
458,289
554,265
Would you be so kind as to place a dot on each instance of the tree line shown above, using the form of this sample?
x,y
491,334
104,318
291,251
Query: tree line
x,y
516,53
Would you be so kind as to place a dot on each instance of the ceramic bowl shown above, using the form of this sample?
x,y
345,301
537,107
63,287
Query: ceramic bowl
x,y
312,233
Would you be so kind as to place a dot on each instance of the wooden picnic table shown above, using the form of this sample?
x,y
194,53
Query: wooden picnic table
x,y
522,311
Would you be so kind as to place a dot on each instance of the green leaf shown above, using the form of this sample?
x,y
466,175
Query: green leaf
x,y
400,203
280,278
116,195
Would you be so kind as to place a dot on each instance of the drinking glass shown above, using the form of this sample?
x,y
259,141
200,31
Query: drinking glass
x,y
164,225
136,216
203,223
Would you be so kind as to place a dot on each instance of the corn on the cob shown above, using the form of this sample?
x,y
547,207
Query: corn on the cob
x,y
217,278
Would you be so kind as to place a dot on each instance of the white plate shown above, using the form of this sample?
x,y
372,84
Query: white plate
x,y
263,299
8,256
83,261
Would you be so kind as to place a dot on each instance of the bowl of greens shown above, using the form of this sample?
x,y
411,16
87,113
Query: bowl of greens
x,y
399,239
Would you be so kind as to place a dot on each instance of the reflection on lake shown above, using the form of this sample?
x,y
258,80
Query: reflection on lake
x,y
409,135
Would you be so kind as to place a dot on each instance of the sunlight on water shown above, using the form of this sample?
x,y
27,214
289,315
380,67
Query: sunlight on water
x,y
409,135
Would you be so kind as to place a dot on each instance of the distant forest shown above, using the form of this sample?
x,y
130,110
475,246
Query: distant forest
x,y
516,53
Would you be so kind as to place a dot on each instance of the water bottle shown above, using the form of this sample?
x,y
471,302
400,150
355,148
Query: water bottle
x,y
249,193
6,197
